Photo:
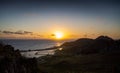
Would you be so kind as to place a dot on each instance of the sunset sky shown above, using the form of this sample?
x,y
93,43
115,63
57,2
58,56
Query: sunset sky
x,y
40,19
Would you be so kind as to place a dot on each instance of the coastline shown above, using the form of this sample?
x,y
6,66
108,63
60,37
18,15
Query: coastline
x,y
38,52
51,48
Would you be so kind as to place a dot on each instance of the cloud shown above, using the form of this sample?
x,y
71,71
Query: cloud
x,y
40,35
27,32
17,32
7,32
52,34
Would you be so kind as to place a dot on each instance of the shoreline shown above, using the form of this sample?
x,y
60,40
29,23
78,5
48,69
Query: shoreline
x,y
51,48
38,52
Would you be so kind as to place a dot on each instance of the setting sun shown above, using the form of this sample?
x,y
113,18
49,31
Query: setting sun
x,y
58,35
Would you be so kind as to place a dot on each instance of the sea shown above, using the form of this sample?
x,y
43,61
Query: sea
x,y
32,44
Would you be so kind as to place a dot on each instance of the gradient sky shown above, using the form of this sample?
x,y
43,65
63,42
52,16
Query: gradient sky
x,y
75,18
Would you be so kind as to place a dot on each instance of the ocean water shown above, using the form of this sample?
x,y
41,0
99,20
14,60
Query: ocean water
x,y
32,45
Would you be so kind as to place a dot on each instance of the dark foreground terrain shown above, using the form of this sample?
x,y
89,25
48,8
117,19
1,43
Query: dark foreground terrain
x,y
100,55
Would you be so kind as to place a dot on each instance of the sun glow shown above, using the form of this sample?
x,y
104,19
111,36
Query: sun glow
x,y
58,35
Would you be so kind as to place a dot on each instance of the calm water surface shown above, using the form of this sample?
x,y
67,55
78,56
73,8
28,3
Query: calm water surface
x,y
32,45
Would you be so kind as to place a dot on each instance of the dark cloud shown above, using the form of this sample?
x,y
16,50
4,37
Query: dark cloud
x,y
27,32
8,32
17,32
52,34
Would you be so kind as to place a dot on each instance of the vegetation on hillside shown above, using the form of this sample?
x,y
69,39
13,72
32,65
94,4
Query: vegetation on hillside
x,y
11,61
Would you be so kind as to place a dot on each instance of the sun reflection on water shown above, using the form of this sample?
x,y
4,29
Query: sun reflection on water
x,y
60,48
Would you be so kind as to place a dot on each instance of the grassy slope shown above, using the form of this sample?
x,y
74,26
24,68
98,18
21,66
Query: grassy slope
x,y
92,63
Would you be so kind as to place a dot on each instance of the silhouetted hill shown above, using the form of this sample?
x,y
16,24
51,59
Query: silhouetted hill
x,y
86,46
100,55
8,51
104,38
11,61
